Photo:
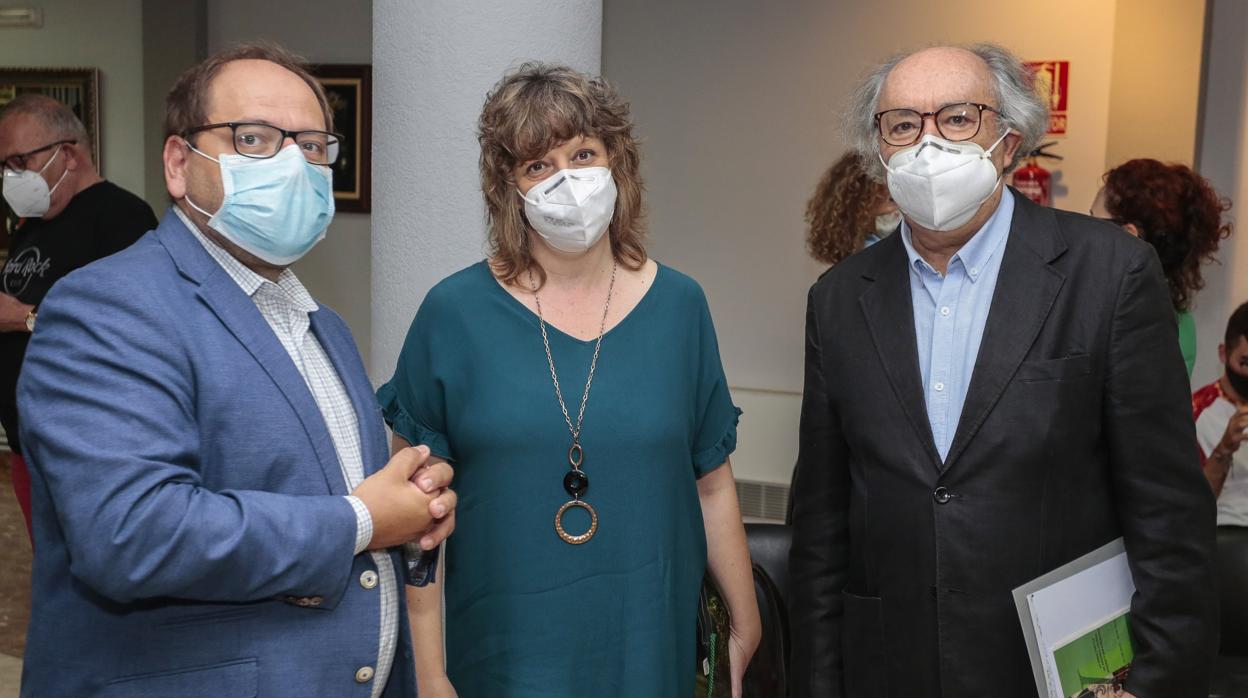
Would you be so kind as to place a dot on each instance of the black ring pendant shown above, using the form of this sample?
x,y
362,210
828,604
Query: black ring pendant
x,y
576,483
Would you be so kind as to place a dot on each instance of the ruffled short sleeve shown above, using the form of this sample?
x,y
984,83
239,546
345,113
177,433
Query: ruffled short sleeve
x,y
413,402
715,433
407,426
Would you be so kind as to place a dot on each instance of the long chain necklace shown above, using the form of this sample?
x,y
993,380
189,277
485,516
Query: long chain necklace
x,y
576,482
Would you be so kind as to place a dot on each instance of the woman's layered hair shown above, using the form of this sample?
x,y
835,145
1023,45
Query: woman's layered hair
x,y
533,109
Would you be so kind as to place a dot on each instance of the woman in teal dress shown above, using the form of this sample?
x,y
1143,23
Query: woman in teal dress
x,y
576,385
1174,209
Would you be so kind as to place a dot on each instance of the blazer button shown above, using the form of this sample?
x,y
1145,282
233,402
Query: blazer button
x,y
315,601
942,495
368,580
364,674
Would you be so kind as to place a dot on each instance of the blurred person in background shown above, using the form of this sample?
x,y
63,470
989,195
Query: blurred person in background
x,y
850,210
1221,413
1174,209
68,216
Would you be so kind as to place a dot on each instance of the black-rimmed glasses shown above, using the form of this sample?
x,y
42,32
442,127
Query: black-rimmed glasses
x,y
17,163
954,122
262,141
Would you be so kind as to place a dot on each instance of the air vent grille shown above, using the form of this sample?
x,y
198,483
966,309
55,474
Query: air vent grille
x,y
763,501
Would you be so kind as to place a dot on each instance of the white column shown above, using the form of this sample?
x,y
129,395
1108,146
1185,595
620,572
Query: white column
x,y
433,63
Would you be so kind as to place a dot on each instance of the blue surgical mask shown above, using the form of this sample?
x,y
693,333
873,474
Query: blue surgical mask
x,y
277,208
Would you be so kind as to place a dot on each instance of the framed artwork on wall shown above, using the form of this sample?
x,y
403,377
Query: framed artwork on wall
x,y
79,88
349,88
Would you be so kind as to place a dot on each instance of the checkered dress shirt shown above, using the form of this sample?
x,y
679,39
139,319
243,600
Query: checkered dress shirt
x,y
285,305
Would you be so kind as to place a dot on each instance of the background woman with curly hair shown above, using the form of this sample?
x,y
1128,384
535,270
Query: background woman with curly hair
x,y
1175,210
849,211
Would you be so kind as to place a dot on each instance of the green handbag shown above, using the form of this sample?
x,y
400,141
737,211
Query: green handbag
x,y
714,677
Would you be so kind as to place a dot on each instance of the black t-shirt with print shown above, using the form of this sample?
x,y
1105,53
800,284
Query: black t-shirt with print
x,y
101,220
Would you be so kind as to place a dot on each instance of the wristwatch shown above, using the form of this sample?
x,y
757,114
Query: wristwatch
x,y
30,320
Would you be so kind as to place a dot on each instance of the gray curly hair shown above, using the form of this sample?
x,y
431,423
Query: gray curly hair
x,y
1021,107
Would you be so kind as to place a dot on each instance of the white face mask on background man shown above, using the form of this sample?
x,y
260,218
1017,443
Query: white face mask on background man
x,y
940,184
572,208
27,192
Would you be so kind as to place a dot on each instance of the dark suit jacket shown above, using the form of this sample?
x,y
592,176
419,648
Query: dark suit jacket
x,y
1077,429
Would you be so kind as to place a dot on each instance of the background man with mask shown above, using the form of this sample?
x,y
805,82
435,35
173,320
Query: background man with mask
x,y
213,504
989,394
1221,412
69,216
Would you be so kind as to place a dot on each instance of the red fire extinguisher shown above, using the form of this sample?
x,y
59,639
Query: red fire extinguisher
x,y
1032,180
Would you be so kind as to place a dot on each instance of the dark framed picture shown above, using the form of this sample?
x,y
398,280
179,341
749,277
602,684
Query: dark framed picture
x,y
349,88
79,88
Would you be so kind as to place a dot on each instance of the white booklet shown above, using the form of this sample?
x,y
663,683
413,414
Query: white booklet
x,y
1077,624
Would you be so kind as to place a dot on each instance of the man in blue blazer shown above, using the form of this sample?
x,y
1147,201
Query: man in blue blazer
x,y
213,507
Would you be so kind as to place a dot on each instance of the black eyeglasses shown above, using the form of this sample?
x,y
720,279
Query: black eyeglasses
x,y
955,122
263,141
17,163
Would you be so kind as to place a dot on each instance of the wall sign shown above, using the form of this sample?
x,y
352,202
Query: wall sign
x,y
1052,80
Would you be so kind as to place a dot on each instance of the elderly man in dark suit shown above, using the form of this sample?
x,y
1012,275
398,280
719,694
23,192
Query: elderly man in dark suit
x,y
991,393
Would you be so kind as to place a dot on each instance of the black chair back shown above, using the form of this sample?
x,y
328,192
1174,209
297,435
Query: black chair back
x,y
1233,589
767,675
769,549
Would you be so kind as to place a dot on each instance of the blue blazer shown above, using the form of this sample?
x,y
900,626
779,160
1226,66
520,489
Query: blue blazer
x,y
191,534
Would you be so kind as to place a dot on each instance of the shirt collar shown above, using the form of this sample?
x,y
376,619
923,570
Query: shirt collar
x,y
977,251
248,280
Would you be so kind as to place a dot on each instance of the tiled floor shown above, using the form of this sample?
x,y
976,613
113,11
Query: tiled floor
x,y
10,676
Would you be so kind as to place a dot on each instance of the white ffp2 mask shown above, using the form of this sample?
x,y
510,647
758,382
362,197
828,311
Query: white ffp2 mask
x,y
572,208
27,192
940,184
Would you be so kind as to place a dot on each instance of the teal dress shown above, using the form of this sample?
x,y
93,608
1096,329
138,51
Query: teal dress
x,y
528,615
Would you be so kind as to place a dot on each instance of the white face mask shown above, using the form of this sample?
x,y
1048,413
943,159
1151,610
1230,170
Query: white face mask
x,y
886,223
940,184
572,208
27,192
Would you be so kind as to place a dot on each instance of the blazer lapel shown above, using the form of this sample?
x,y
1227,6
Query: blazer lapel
x,y
340,347
1027,286
888,309
241,317
238,313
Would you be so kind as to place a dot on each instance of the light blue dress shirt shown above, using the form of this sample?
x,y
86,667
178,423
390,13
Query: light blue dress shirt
x,y
950,312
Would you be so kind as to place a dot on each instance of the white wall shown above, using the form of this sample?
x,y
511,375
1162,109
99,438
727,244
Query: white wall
x,y
107,35
1155,93
1224,160
435,62
337,271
